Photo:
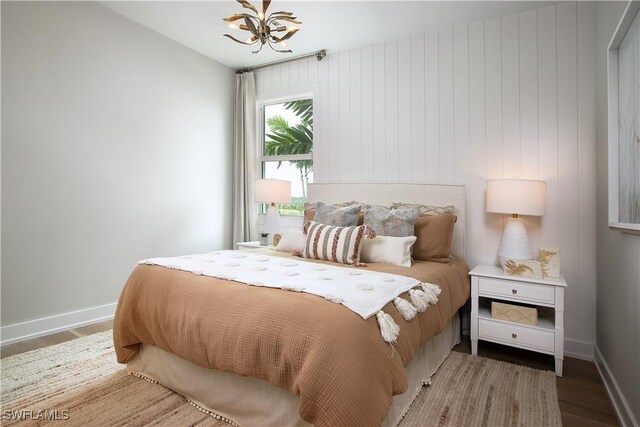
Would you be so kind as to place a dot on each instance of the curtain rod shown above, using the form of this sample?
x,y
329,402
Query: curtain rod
x,y
319,56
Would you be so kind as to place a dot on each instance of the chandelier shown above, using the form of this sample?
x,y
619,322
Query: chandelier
x,y
264,29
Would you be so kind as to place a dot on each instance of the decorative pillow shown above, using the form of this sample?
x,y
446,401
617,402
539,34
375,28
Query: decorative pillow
x,y
334,243
292,240
388,249
387,222
426,209
343,216
434,234
309,213
310,210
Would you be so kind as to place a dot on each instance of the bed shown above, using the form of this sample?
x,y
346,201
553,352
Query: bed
x,y
260,356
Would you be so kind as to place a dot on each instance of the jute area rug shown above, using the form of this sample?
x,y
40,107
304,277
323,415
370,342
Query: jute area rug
x,y
79,383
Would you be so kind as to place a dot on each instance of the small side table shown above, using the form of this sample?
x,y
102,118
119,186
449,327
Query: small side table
x,y
489,282
248,246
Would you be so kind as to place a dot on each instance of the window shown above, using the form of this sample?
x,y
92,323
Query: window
x,y
287,148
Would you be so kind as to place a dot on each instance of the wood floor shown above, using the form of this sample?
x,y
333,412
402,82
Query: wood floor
x,y
60,337
583,399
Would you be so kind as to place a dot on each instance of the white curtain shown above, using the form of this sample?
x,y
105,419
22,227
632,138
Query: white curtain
x,y
244,160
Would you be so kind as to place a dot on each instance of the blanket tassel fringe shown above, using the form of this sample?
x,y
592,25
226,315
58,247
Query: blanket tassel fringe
x,y
388,327
431,298
435,289
419,299
405,308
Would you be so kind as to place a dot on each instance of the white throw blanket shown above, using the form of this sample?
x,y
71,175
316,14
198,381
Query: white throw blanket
x,y
363,292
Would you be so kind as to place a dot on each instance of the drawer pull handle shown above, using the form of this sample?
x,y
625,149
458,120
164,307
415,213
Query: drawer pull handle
x,y
514,336
514,291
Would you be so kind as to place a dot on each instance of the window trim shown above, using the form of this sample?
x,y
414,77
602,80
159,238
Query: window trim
x,y
288,157
271,99
624,25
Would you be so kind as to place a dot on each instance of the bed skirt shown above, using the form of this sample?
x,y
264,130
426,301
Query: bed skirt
x,y
249,402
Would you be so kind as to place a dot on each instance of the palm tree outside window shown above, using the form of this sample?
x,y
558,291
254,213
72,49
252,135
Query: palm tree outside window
x,y
288,148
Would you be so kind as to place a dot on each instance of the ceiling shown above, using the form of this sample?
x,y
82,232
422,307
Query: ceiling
x,y
331,25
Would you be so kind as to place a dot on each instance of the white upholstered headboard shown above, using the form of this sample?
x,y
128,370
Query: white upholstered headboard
x,y
386,194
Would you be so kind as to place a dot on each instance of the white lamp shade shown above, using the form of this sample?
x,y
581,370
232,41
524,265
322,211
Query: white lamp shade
x,y
272,191
516,196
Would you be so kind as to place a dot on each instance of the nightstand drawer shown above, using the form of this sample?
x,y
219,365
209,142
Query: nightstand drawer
x,y
516,290
518,336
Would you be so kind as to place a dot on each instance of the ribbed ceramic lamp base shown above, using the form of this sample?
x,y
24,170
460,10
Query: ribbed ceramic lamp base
x,y
272,220
515,241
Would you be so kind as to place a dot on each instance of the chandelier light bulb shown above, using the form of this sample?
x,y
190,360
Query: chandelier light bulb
x,y
283,44
260,16
292,28
234,26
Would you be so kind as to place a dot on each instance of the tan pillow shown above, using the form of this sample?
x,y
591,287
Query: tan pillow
x,y
434,234
309,214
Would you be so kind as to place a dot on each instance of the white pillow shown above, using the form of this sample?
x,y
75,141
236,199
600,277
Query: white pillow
x,y
388,249
292,240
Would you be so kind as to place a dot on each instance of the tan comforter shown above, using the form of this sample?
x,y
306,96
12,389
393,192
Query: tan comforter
x,y
338,364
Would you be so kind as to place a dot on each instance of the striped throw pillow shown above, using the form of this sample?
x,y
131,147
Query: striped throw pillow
x,y
334,243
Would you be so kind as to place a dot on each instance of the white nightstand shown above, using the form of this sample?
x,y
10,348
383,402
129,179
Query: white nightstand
x,y
491,283
247,246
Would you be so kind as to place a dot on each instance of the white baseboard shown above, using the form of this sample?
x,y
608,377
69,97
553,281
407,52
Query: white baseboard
x,y
17,332
625,416
578,349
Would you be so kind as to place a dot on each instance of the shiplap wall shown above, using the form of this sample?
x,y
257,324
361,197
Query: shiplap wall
x,y
508,97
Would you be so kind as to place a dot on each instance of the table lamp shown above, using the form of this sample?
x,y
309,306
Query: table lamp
x,y
272,191
516,197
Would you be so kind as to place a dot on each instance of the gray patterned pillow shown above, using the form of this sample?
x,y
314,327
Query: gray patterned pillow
x,y
346,216
426,209
391,222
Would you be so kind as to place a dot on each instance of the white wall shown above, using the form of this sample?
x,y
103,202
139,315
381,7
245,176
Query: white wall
x,y
116,146
618,284
511,96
